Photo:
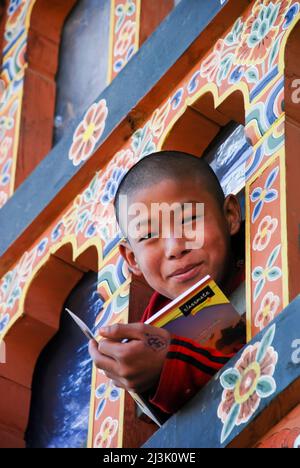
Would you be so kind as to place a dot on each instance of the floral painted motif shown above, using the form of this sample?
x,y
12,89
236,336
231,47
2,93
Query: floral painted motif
x,y
13,6
13,280
42,246
106,392
142,142
291,15
77,217
112,185
4,320
217,66
272,144
121,62
57,232
247,383
107,432
87,215
6,123
260,196
92,212
5,147
284,439
13,65
270,273
12,284
122,11
5,173
194,82
236,75
88,133
177,98
211,65
252,45
159,118
265,230
261,30
125,34
125,38
268,309
234,37
107,190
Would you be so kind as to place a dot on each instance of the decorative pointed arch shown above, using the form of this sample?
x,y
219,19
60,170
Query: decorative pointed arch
x,y
201,121
45,296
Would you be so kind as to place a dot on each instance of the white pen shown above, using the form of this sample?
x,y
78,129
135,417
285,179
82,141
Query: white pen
x,y
83,327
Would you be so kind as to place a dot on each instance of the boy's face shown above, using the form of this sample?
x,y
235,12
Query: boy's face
x,y
168,264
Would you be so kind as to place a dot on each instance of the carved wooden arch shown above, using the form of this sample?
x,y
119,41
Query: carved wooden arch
x,y
292,145
44,299
201,122
44,37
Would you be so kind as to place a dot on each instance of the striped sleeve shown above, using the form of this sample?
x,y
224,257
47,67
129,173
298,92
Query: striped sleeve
x,y
187,368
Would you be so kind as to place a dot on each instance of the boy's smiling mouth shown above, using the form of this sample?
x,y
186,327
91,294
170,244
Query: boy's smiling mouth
x,y
187,273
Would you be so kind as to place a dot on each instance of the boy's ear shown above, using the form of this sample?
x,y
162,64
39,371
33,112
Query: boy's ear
x,y
127,253
233,215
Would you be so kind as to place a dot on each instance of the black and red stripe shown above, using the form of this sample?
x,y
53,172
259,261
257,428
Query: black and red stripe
x,y
201,358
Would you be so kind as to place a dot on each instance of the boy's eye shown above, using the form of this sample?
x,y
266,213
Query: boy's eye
x,y
191,218
150,235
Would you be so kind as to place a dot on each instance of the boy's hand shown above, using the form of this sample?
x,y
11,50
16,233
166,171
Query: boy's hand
x,y
137,364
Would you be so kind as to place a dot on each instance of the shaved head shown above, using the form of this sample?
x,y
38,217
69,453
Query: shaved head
x,y
169,165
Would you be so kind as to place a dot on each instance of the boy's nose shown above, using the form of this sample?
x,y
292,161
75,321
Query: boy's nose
x,y
175,248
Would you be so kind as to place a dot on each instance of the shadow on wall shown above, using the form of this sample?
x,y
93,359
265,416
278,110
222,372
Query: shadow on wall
x,y
43,305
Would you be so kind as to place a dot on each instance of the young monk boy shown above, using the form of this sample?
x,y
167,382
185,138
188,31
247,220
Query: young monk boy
x,y
171,369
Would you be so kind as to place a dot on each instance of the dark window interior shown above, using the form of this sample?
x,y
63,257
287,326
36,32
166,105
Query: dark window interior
x,y
82,72
227,155
61,388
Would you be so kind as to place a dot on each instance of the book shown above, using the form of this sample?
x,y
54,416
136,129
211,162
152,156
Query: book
x,y
202,313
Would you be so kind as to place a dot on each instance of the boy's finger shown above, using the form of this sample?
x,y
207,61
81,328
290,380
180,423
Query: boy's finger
x,y
93,347
115,380
110,348
119,331
101,361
